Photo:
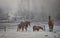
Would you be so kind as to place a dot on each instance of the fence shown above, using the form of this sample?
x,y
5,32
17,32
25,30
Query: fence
x,y
12,26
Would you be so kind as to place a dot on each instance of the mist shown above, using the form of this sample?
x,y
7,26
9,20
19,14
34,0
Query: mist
x,y
37,10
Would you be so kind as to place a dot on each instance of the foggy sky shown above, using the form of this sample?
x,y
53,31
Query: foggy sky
x,y
41,9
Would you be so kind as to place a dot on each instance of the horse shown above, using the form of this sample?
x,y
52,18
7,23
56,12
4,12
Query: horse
x,y
35,27
51,24
23,25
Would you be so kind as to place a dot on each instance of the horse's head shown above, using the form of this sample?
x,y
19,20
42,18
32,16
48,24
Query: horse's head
x,y
41,28
28,23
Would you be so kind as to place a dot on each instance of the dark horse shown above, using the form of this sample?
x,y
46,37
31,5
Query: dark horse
x,y
37,28
51,24
23,25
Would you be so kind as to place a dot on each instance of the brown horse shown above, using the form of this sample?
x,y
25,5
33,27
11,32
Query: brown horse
x,y
51,24
23,25
37,28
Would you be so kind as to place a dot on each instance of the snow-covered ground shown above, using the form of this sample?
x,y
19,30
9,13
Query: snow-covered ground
x,y
12,33
28,35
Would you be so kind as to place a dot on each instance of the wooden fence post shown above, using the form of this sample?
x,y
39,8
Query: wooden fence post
x,y
5,28
44,27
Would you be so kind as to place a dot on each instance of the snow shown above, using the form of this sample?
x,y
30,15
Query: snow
x,y
28,35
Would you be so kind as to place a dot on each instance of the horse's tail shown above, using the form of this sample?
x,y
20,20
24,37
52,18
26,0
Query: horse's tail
x,y
33,27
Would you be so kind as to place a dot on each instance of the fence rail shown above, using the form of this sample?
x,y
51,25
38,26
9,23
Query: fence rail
x,y
6,26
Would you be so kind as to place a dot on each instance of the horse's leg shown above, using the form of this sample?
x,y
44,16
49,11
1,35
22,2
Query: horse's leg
x,y
26,28
18,29
22,28
37,29
50,28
